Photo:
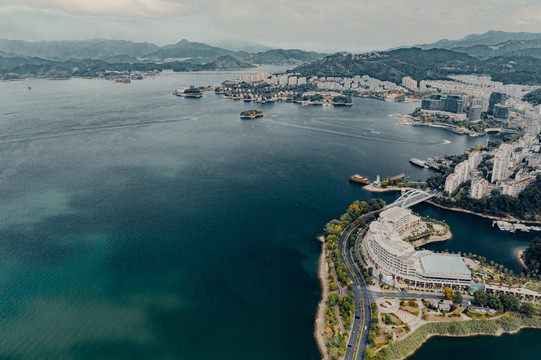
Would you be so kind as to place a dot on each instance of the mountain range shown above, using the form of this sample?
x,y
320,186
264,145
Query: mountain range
x,y
431,64
492,44
128,51
507,57
22,59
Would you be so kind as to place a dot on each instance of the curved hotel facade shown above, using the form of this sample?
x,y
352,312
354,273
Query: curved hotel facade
x,y
385,250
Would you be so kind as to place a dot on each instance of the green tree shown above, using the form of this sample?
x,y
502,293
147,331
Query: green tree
x,y
527,309
509,302
480,298
458,297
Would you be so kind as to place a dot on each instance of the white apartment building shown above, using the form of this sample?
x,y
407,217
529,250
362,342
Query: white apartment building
x,y
478,188
463,171
474,159
502,163
513,188
451,183
409,83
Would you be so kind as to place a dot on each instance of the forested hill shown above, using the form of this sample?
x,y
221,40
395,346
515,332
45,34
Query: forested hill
x,y
433,64
533,97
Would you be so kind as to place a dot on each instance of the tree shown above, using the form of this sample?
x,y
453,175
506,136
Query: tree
x,y
532,256
480,297
333,299
527,309
494,302
509,302
448,293
458,297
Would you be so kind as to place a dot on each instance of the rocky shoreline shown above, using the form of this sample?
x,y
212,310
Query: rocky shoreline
x,y
319,327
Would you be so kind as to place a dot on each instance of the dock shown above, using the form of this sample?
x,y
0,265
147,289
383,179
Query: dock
x,y
513,227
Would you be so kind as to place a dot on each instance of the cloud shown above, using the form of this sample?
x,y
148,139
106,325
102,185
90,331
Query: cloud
x,y
353,25
120,8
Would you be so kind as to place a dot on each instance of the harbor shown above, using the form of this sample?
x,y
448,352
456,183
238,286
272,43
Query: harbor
x,y
514,227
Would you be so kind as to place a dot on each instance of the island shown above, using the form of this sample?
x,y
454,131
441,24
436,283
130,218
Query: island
x,y
191,92
251,114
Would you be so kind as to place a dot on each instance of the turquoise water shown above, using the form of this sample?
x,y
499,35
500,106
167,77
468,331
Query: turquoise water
x,y
135,224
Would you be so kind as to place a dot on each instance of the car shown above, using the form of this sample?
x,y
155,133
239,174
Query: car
x,y
357,317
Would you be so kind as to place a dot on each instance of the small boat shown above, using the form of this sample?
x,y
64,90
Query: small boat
x,y
359,179
29,88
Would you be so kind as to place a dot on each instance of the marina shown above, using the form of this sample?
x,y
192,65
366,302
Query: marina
x,y
513,227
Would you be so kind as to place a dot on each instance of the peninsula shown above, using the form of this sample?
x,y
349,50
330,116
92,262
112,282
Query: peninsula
x,y
394,308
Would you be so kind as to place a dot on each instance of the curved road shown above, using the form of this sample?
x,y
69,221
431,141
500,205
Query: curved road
x,y
358,339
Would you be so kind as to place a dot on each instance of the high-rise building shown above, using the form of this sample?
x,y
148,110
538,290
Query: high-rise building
x,y
478,188
409,83
496,98
474,159
451,103
501,112
502,162
451,183
514,188
463,171
474,113
454,104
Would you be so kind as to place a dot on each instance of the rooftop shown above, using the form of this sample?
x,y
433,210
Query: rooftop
x,y
443,264
395,213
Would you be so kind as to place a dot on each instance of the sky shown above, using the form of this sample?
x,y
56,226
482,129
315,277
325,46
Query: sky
x,y
320,25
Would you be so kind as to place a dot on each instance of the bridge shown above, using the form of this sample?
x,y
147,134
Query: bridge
x,y
411,197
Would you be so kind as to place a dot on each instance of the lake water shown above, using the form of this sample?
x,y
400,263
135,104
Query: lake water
x,y
136,224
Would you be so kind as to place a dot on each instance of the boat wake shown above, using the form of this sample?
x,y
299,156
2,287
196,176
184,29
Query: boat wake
x,y
358,136
39,135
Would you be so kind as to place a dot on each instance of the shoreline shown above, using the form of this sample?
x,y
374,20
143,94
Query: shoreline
x,y
432,239
498,333
372,188
519,254
319,326
492,217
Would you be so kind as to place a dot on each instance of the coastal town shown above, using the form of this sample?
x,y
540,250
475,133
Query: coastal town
x,y
383,294
405,294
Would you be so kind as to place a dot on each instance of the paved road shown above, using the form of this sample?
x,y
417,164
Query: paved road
x,y
358,339
362,302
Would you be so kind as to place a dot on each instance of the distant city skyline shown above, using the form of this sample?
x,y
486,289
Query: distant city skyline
x,y
341,25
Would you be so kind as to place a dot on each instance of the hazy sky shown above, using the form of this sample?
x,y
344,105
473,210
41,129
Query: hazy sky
x,y
325,25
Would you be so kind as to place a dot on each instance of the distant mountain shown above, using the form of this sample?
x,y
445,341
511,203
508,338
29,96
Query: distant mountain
x,y
21,68
227,62
489,38
493,43
188,49
238,44
280,56
76,49
421,64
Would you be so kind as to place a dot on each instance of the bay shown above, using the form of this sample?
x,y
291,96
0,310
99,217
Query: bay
x,y
135,224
